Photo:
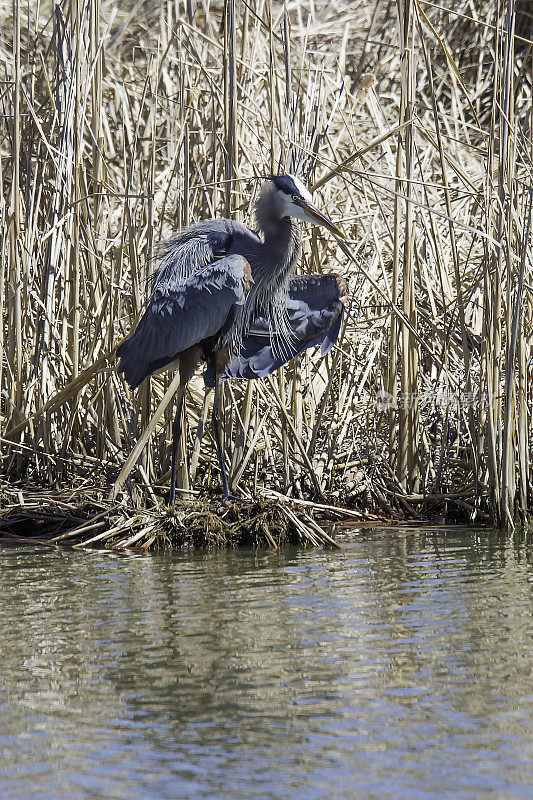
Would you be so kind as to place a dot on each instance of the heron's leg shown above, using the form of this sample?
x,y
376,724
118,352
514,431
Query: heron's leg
x,y
218,439
188,361
176,434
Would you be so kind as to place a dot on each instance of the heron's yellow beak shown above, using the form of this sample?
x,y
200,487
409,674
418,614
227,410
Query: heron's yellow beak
x,y
318,217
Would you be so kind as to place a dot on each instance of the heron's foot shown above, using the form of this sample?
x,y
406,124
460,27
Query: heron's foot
x,y
228,497
172,505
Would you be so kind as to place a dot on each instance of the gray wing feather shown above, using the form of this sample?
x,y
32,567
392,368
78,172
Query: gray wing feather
x,y
177,319
314,306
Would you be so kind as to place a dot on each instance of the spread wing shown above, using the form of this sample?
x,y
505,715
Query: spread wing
x,y
176,319
314,307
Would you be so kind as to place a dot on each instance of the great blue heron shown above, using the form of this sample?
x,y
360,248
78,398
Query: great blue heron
x,y
226,296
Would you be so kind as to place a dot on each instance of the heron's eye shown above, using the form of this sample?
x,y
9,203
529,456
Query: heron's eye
x,y
295,198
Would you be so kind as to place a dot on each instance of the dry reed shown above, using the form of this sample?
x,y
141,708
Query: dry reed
x,y
121,123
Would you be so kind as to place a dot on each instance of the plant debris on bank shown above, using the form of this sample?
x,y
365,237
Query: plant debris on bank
x,y
84,518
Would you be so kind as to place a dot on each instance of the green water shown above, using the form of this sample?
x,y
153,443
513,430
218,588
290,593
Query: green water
x,y
401,667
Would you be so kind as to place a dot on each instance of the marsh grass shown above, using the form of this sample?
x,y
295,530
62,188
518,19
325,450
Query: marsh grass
x,y
121,123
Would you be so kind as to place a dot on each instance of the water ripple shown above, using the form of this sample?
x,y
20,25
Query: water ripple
x,y
398,668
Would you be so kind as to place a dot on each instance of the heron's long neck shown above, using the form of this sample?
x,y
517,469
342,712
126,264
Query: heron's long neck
x,y
280,250
271,270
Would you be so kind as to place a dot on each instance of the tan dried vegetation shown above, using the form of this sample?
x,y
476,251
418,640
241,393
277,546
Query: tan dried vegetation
x,y
412,120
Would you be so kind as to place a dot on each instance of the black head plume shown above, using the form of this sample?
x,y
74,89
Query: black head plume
x,y
286,184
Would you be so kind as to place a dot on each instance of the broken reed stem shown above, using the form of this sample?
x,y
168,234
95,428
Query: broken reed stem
x,y
136,453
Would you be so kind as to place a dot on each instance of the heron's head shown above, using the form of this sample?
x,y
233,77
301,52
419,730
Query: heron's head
x,y
290,198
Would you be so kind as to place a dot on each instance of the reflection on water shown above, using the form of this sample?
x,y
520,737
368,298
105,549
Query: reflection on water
x,y
398,668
